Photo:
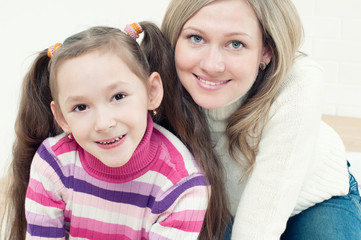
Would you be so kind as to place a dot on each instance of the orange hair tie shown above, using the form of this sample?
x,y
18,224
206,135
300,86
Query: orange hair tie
x,y
51,49
133,30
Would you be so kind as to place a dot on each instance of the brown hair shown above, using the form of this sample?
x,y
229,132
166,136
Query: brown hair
x,y
35,121
283,33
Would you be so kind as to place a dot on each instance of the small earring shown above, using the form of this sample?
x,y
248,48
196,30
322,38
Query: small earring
x,y
262,66
70,136
154,112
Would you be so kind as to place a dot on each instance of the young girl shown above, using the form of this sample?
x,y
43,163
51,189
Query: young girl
x,y
286,171
112,174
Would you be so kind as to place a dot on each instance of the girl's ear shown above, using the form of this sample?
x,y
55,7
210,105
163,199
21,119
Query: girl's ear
x,y
155,93
267,54
59,118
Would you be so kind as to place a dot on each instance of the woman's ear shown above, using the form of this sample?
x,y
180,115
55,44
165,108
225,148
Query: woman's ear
x,y
59,118
267,54
155,93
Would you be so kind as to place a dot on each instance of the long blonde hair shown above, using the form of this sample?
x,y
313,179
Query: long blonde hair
x,y
283,33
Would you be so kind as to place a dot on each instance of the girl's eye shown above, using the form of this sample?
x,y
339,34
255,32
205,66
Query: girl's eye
x,y
196,38
236,45
80,108
119,96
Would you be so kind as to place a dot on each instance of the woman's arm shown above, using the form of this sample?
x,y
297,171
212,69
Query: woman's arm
x,y
286,153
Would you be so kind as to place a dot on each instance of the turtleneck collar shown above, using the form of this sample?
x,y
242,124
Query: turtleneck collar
x,y
137,165
217,118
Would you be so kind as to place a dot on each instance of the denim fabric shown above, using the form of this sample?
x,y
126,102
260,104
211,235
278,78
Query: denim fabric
x,y
338,218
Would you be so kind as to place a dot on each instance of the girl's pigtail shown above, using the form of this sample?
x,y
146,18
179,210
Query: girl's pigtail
x,y
34,123
180,114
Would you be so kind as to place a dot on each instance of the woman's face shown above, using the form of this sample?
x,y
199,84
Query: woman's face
x,y
218,52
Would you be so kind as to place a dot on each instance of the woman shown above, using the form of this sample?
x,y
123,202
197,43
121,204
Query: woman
x,y
286,171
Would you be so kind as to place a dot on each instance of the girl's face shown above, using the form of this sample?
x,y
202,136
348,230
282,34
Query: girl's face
x,y
218,52
104,105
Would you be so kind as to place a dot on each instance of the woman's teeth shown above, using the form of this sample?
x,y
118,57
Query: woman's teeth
x,y
212,83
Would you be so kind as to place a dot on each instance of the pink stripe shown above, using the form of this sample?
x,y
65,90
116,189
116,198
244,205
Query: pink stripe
x,y
188,220
93,229
175,158
67,215
186,226
37,193
64,145
44,220
192,215
163,168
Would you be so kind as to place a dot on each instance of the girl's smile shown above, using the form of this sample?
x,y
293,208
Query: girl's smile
x,y
104,105
111,143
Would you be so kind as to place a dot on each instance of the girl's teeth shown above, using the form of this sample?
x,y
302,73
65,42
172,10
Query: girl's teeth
x,y
115,140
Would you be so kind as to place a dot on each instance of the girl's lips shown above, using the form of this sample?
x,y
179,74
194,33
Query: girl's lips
x,y
111,143
211,84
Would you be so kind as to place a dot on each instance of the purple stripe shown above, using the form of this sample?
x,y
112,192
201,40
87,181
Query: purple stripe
x,y
164,204
85,187
48,232
114,196
132,186
47,157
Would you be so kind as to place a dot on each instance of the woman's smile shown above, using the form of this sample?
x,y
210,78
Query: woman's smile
x,y
210,83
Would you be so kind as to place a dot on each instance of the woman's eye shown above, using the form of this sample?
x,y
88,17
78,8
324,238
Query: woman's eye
x,y
196,38
80,108
236,44
119,96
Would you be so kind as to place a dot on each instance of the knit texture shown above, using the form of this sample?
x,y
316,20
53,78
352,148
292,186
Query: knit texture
x,y
159,194
301,160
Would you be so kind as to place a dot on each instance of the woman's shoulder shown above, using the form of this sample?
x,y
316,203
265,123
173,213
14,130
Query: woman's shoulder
x,y
305,66
305,75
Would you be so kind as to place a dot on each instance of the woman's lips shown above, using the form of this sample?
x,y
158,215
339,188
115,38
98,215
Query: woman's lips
x,y
210,84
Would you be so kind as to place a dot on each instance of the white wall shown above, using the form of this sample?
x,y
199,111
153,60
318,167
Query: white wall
x,y
27,27
333,38
332,27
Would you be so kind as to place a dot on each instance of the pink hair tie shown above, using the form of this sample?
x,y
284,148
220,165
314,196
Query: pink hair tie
x,y
133,30
51,49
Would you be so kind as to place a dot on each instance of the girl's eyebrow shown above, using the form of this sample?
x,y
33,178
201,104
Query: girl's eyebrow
x,y
72,99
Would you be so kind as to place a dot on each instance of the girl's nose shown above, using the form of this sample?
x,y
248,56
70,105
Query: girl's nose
x,y
213,61
104,121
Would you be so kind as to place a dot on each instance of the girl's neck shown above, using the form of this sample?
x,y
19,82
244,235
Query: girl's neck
x,y
136,166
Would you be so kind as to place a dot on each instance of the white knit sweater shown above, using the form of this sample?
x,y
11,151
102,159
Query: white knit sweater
x,y
301,160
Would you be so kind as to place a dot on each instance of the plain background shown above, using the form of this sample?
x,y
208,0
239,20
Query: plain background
x,y
332,27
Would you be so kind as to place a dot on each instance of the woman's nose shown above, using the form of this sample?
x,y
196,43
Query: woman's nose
x,y
213,61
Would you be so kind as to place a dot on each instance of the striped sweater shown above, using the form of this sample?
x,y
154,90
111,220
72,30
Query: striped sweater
x,y
159,194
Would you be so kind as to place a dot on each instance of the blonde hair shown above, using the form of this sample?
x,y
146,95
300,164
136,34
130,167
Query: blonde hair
x,y
283,33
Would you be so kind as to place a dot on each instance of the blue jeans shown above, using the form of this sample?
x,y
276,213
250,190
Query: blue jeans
x,y
338,218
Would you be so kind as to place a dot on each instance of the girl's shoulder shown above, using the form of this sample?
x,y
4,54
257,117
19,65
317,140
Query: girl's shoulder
x,y
56,149
175,150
